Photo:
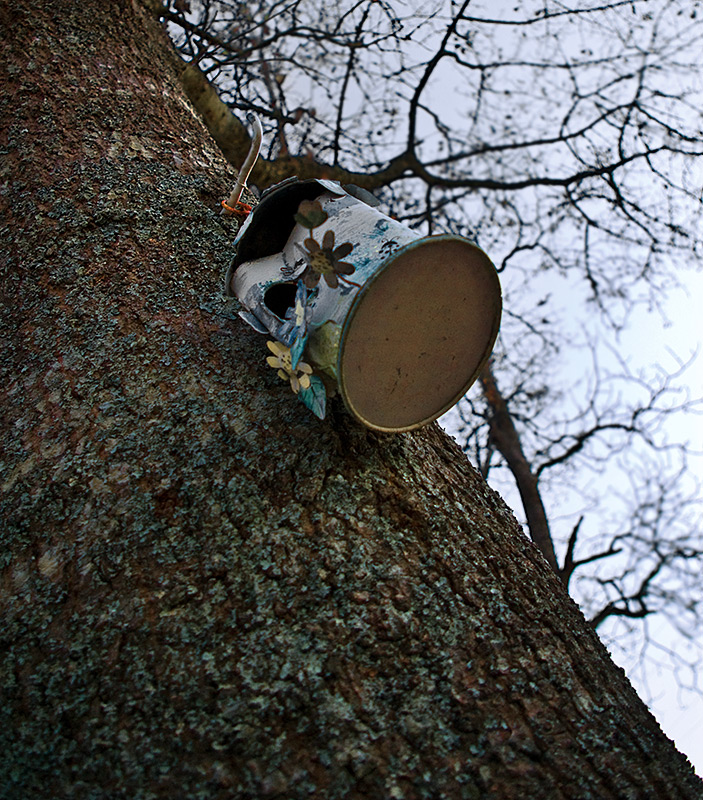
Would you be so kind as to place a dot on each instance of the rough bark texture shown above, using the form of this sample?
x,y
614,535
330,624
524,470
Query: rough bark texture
x,y
206,592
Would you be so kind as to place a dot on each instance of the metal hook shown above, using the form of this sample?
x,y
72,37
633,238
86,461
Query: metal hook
x,y
231,203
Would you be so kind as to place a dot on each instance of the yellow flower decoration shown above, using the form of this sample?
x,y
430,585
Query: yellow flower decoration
x,y
299,313
281,360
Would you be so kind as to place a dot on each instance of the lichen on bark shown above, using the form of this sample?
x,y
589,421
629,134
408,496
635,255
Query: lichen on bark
x,y
205,591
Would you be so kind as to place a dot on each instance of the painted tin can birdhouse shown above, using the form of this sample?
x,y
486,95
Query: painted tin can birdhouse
x,y
399,324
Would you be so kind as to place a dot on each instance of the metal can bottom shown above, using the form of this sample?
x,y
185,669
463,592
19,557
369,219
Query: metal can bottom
x,y
419,333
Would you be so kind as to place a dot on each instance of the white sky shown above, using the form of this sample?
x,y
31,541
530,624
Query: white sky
x,y
649,339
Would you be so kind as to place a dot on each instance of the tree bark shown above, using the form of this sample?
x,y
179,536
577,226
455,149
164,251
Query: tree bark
x,y
206,592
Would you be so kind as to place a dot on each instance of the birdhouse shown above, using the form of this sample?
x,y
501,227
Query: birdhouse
x,y
357,303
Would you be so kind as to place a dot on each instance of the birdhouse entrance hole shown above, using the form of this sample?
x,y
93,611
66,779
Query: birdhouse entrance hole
x,y
279,298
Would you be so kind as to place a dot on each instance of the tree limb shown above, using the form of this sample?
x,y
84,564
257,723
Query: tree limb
x,y
506,439
233,140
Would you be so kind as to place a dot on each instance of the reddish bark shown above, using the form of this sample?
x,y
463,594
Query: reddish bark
x,y
206,591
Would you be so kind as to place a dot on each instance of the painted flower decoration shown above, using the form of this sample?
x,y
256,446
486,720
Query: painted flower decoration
x,y
325,261
299,376
297,317
322,260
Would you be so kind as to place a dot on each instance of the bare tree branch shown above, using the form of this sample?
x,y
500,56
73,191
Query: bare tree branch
x,y
507,441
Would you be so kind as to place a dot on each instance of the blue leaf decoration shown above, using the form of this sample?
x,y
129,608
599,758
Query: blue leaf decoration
x,y
315,396
296,350
296,323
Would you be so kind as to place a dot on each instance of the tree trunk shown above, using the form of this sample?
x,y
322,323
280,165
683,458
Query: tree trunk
x,y
206,592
